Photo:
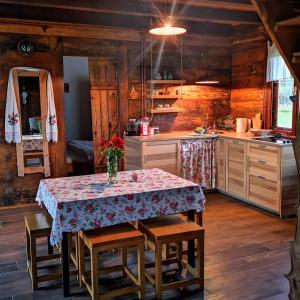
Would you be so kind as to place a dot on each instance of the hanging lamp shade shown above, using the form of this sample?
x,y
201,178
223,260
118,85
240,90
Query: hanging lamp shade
x,y
167,28
207,79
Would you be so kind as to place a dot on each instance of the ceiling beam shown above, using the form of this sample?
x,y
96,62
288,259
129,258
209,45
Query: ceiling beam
x,y
67,30
197,11
218,4
96,32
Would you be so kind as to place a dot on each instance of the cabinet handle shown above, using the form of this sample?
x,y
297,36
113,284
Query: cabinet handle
x,y
145,159
262,177
262,146
262,162
235,142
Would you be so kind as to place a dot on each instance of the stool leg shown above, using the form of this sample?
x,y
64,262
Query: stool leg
x,y
94,279
50,248
81,267
200,260
158,269
124,261
33,263
179,254
141,270
27,248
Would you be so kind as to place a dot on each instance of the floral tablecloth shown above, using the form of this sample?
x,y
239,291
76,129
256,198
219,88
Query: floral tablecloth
x,y
87,202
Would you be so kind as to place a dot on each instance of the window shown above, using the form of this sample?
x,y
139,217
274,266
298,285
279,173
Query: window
x,y
282,100
283,105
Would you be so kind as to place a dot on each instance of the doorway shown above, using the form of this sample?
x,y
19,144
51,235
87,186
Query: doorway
x,y
78,119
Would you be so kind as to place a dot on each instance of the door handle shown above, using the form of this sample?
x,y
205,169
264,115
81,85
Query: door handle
x,y
145,159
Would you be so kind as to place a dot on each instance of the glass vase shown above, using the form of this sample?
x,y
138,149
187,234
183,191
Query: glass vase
x,y
112,169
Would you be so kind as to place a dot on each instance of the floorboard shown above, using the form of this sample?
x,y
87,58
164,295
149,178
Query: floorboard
x,y
246,257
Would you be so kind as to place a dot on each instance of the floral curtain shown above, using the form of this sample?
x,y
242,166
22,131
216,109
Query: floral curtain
x,y
198,161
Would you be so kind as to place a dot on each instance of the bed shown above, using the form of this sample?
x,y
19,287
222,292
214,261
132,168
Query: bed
x,y
80,157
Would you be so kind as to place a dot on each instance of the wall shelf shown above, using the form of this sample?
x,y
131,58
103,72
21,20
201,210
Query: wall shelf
x,y
166,81
165,110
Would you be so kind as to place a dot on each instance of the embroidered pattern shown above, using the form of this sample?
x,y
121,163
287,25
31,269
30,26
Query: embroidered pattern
x,y
52,120
13,119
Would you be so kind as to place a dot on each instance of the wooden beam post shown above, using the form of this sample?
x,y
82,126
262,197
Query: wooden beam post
x,y
123,86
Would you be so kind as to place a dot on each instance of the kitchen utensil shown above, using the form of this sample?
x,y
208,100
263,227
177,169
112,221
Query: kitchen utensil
x,y
260,132
241,125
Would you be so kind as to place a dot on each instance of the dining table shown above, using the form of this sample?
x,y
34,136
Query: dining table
x,y
87,202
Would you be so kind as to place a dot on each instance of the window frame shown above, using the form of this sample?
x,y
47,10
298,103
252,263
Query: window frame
x,y
269,110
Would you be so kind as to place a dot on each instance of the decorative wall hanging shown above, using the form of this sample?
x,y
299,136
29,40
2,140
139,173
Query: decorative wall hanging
x,y
30,160
25,47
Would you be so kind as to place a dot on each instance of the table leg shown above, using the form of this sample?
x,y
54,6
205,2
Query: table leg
x,y
65,267
50,248
191,244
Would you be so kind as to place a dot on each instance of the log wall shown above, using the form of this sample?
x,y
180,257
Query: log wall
x,y
249,57
198,59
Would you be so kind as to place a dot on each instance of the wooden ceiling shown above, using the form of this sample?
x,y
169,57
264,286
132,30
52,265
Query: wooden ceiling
x,y
213,17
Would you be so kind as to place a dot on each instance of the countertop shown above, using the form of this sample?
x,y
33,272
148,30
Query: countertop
x,y
185,135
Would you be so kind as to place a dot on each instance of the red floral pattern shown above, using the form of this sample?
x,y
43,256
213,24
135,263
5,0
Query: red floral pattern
x,y
198,161
87,202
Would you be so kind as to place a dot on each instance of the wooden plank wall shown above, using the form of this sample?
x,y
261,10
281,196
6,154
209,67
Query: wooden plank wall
x,y
249,59
198,100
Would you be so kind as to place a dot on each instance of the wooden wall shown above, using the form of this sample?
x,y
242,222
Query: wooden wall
x,y
249,57
200,57
197,100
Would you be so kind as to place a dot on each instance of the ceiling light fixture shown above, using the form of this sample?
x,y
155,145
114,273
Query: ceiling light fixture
x,y
167,28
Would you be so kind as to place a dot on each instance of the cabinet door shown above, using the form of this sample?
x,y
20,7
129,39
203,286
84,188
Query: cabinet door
x,y
163,155
221,164
264,192
236,168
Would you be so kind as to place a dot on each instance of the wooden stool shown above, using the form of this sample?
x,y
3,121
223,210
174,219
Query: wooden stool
x,y
164,230
37,226
119,236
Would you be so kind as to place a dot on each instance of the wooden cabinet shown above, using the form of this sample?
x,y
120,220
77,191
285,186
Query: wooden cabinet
x,y
236,168
153,154
220,164
163,155
261,174
263,191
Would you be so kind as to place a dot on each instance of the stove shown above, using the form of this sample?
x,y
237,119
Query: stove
x,y
273,139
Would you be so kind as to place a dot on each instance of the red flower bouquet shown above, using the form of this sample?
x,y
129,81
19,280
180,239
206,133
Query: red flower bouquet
x,y
113,150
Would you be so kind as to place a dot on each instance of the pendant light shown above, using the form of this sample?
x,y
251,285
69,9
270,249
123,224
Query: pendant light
x,y
167,27
207,79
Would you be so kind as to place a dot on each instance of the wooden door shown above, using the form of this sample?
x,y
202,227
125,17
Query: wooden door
x,y
104,103
236,180
221,167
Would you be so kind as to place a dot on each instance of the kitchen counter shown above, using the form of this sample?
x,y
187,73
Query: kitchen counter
x,y
182,135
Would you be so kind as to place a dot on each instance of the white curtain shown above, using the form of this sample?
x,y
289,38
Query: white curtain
x,y
277,70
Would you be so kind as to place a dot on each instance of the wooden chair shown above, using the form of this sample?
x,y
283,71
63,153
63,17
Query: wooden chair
x,y
119,236
164,230
37,226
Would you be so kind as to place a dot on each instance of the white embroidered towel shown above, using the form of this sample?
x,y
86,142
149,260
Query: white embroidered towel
x,y
51,121
12,120
12,124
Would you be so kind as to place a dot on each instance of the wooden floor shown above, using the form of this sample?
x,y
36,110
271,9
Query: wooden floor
x,y
246,256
